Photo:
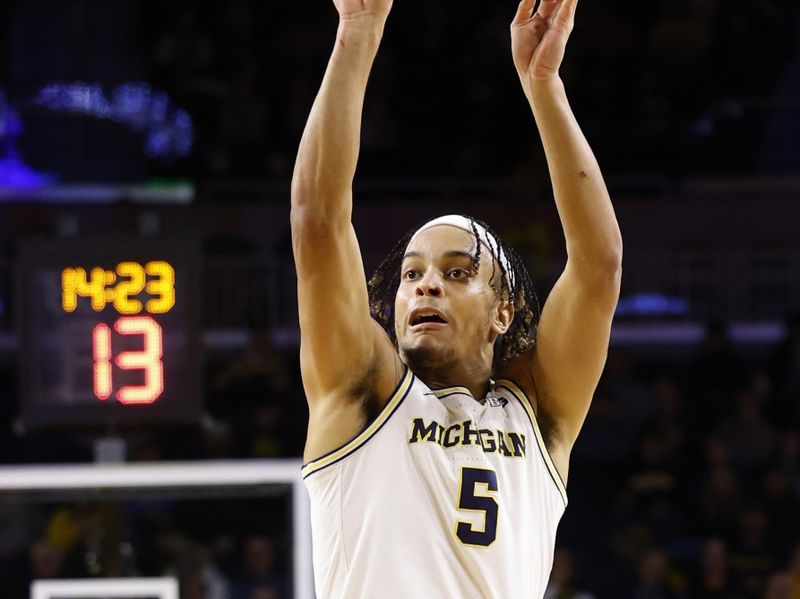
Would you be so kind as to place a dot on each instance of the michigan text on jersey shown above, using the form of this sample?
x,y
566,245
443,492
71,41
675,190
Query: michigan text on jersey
x,y
507,444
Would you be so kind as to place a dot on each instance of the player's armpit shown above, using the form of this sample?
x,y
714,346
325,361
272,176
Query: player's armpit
x,y
572,343
561,374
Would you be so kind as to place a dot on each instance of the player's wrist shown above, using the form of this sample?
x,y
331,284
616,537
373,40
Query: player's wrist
x,y
362,31
539,91
550,84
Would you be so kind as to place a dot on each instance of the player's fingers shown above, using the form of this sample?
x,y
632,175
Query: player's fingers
x,y
548,8
524,12
566,14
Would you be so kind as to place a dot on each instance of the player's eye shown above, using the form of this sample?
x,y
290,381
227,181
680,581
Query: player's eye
x,y
457,273
411,275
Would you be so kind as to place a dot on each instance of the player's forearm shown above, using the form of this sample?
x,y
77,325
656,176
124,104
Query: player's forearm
x,y
328,152
584,206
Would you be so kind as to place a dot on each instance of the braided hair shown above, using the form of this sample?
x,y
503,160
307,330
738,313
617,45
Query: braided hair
x,y
515,286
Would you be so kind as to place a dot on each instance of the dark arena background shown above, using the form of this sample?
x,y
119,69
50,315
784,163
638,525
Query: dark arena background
x,y
152,418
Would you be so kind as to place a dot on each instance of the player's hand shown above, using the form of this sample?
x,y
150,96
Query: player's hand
x,y
356,9
538,39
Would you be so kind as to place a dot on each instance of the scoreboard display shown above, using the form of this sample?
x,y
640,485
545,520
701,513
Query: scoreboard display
x,y
108,331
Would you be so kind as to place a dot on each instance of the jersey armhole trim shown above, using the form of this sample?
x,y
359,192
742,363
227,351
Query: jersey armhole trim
x,y
523,400
359,440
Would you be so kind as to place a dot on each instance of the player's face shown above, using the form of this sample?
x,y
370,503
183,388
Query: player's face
x,y
446,313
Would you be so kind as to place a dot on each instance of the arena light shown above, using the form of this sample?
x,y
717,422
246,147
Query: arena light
x,y
168,128
652,304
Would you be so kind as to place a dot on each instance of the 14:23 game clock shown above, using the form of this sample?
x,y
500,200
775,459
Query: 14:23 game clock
x,y
108,331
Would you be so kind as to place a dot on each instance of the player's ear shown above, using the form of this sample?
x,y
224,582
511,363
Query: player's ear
x,y
502,317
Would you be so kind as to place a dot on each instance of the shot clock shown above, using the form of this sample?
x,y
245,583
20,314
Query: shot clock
x,y
108,331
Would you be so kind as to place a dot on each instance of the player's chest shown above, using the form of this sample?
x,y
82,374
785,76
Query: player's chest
x,y
455,429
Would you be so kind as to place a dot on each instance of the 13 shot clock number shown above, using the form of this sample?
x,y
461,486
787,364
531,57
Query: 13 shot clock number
x,y
108,331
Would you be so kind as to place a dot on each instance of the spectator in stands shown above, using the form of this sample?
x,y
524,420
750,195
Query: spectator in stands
x,y
749,435
713,581
17,524
715,374
42,561
780,500
264,592
251,392
794,573
192,585
751,558
47,561
779,586
199,575
259,574
655,580
717,451
720,502
620,406
651,496
667,419
216,585
79,530
562,584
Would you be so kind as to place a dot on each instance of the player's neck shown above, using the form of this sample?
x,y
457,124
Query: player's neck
x,y
477,382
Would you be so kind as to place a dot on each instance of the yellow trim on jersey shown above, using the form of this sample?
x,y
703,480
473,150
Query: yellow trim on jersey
x,y
364,436
450,390
548,460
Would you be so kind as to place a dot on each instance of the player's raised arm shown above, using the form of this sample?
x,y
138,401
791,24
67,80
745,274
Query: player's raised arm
x,y
573,334
346,358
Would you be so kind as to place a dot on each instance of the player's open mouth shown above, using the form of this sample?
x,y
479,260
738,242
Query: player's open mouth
x,y
426,318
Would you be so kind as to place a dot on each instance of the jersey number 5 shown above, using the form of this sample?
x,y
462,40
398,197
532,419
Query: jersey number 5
x,y
476,495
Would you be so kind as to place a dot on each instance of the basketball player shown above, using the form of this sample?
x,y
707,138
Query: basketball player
x,y
441,416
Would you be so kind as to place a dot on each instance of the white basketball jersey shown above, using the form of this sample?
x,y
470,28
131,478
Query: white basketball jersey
x,y
440,496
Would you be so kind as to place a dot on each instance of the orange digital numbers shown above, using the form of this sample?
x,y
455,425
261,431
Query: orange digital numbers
x,y
149,360
101,346
162,286
121,287
75,284
132,284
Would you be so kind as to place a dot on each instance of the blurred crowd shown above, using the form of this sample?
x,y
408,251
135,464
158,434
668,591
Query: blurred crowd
x,y
689,478
677,88
687,474
213,554
662,90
